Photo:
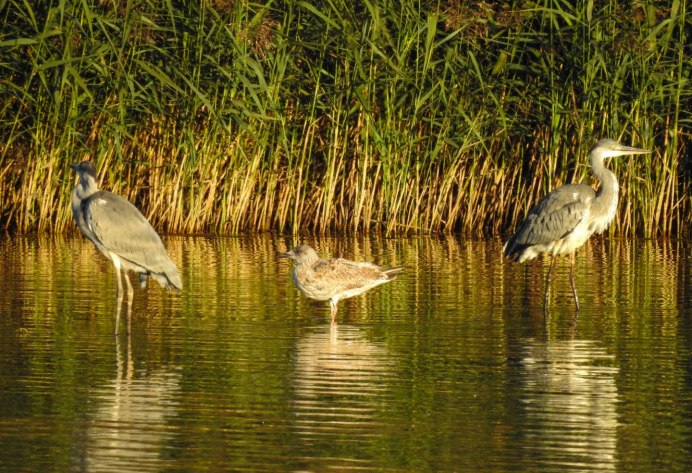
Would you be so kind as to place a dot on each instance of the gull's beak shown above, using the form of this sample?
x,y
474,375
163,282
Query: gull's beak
x,y
288,254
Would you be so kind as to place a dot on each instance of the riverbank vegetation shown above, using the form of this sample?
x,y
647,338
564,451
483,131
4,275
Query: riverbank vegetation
x,y
409,116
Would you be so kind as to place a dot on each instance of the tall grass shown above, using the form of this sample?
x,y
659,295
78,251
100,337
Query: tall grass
x,y
338,116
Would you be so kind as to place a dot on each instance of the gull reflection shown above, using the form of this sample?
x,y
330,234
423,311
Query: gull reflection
x,y
129,430
337,381
570,399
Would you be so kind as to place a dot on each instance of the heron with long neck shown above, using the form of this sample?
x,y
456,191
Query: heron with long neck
x,y
120,231
563,220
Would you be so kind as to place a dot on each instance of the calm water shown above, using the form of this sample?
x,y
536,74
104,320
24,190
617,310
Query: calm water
x,y
452,367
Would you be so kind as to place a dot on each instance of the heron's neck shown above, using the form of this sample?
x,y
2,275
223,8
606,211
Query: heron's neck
x,y
606,200
86,187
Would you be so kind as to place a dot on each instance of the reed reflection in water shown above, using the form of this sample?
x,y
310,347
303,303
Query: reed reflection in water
x,y
452,367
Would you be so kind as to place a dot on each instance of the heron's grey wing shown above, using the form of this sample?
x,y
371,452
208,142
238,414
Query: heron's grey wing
x,y
122,229
555,216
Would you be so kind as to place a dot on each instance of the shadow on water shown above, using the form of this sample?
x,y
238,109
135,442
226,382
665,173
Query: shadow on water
x,y
452,367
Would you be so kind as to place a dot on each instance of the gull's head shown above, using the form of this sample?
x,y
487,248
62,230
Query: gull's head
x,y
300,254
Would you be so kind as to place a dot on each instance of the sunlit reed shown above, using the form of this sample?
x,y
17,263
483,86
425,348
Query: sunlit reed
x,y
396,118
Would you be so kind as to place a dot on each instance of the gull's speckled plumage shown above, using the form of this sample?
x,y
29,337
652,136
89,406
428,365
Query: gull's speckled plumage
x,y
335,278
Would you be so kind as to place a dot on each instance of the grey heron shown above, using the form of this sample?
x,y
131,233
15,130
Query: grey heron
x,y
336,278
563,220
120,231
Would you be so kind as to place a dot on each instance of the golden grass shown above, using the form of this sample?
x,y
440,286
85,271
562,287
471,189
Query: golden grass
x,y
232,117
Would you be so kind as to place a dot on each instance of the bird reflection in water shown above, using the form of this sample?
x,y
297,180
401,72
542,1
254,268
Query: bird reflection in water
x,y
128,431
570,401
338,381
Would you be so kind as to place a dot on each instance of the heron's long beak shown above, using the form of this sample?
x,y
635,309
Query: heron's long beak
x,y
288,254
632,150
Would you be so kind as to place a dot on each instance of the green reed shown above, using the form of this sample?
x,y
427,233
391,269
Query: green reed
x,y
338,116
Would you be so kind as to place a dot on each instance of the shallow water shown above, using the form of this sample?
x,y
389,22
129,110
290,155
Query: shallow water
x,y
452,367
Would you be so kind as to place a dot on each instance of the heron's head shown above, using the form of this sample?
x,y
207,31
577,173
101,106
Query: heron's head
x,y
300,254
87,176
610,148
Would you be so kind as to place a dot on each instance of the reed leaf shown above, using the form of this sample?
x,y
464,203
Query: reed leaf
x,y
330,116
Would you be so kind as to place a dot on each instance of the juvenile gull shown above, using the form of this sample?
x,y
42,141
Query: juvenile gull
x,y
121,233
335,278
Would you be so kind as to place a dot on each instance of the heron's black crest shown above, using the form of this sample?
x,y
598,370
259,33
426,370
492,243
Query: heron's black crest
x,y
85,167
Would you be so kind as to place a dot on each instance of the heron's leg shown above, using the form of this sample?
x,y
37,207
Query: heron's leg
x,y
120,283
119,298
571,278
547,282
117,315
130,296
130,291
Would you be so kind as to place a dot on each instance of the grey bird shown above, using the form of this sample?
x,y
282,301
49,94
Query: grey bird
x,y
563,220
120,231
334,279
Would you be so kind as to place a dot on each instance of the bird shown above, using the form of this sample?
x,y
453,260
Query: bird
x,y
335,278
565,218
119,230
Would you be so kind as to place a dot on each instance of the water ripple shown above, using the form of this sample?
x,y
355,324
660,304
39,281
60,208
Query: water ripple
x,y
570,397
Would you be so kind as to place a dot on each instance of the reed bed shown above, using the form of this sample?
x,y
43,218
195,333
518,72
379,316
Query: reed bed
x,y
335,116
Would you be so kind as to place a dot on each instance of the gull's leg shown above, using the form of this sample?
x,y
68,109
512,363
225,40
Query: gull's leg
x,y
333,308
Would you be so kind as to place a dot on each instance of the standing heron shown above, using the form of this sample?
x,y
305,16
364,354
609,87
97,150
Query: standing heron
x,y
563,220
335,278
122,234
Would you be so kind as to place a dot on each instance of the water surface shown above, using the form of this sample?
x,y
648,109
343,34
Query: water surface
x,y
452,367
